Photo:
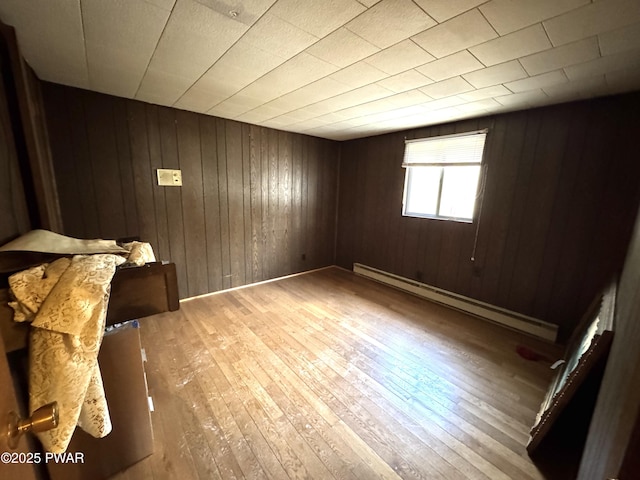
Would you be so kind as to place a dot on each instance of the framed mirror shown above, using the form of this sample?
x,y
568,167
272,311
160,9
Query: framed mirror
x,y
589,345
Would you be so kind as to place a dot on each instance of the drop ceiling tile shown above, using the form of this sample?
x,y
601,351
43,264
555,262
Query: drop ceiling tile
x,y
166,4
406,99
442,10
199,30
201,100
319,131
317,18
258,115
368,3
461,32
293,117
502,73
359,74
622,81
281,121
291,75
577,89
514,45
598,17
447,88
484,105
309,124
59,27
236,105
402,56
537,82
342,48
241,65
604,65
405,81
278,37
242,11
314,92
383,104
382,116
159,84
430,117
559,57
524,99
446,102
398,113
133,29
390,22
334,117
620,40
302,114
114,81
312,111
488,92
451,66
355,97
507,16
228,109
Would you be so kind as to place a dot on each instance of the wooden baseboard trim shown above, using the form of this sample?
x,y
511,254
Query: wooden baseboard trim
x,y
257,283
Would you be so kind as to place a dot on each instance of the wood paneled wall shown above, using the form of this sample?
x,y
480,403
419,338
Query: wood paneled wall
x,y
617,411
562,189
30,134
14,219
255,204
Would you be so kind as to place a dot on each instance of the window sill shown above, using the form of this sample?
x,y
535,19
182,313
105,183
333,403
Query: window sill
x,y
436,217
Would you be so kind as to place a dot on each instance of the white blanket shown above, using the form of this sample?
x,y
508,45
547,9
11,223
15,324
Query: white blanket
x,y
66,303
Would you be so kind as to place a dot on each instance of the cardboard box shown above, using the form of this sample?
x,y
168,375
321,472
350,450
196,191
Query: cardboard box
x,y
131,439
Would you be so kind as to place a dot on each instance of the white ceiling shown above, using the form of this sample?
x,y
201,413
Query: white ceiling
x,y
337,69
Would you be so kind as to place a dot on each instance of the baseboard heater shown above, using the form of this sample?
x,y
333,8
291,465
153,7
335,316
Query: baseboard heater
x,y
507,318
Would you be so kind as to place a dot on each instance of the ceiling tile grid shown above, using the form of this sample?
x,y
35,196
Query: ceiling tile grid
x,y
335,68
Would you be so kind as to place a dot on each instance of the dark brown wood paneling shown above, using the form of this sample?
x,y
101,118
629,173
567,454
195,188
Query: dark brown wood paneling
x,y
255,165
610,441
63,145
246,203
272,214
266,221
159,198
561,191
173,195
15,216
127,182
31,132
223,195
195,242
88,206
235,193
103,155
209,144
296,196
253,200
284,201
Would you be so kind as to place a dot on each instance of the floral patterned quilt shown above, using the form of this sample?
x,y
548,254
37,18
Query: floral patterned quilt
x,y
66,303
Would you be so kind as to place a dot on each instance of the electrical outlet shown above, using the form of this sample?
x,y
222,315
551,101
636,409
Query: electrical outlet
x,y
169,178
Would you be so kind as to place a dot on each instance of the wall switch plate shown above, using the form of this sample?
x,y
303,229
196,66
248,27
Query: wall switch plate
x,y
169,178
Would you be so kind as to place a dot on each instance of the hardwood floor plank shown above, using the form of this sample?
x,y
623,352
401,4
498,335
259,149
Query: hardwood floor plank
x,y
328,375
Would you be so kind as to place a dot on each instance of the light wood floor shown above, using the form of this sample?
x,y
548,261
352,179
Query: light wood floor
x,y
328,375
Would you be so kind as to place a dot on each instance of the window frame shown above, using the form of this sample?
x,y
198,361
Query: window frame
x,y
443,166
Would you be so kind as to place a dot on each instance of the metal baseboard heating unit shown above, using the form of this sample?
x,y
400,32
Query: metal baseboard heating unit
x,y
477,308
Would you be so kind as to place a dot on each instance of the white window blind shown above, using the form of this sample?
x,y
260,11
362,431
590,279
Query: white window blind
x,y
459,149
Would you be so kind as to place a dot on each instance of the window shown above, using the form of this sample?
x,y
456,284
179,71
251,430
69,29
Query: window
x,y
441,178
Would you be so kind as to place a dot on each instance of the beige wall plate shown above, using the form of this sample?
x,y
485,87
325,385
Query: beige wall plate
x,y
169,178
